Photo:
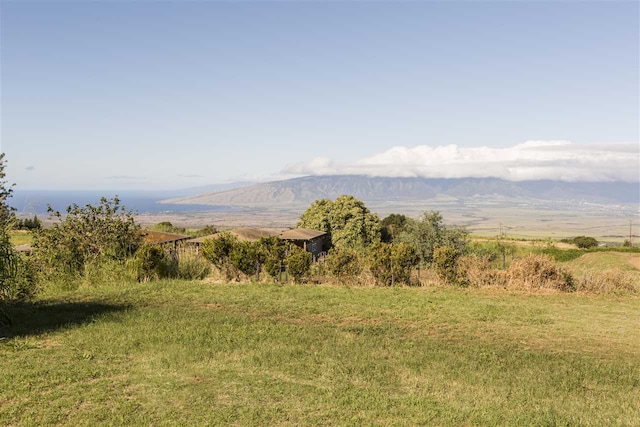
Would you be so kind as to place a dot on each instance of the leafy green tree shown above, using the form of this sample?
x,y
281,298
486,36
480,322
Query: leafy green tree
x,y
430,232
585,242
28,224
17,276
86,235
348,221
392,226
317,216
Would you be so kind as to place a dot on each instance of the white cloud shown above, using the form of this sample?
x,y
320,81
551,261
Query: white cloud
x,y
532,160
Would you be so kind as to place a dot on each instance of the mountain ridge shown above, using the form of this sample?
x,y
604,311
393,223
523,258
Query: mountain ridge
x,y
305,190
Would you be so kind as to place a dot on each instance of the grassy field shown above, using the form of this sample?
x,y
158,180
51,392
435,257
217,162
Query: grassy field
x,y
189,353
20,237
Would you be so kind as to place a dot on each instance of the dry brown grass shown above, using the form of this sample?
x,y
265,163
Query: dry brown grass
x,y
607,281
538,272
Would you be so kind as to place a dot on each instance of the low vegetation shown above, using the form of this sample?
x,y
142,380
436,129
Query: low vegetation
x,y
187,353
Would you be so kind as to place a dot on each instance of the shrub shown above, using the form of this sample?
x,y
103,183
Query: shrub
x,y
218,250
343,263
392,263
193,267
539,272
627,243
612,280
153,262
298,263
86,235
583,242
272,252
18,280
246,257
476,271
445,263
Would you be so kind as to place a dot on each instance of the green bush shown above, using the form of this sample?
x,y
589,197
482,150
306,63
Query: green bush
x,y
17,274
193,267
343,263
18,282
273,251
246,257
298,263
153,262
392,263
85,236
445,263
218,250
585,242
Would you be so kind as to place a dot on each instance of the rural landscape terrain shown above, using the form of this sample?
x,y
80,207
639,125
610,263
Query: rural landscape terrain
x,y
319,213
442,324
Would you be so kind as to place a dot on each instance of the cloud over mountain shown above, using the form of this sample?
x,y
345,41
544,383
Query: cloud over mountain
x,y
532,160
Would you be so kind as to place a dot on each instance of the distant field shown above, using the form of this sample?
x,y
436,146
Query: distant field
x,y
20,237
189,353
610,224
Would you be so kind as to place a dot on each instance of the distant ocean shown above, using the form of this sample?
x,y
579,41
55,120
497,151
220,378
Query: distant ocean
x,y
30,202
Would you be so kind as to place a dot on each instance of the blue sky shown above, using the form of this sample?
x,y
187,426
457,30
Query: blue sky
x,y
151,95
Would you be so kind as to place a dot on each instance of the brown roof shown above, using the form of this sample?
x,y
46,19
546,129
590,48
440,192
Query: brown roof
x,y
243,234
159,237
301,234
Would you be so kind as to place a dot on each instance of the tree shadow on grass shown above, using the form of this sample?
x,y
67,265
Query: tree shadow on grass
x,y
28,318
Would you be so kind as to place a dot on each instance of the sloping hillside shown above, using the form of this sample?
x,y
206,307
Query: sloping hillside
x,y
307,189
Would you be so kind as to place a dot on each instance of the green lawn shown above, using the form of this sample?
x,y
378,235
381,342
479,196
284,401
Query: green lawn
x,y
188,353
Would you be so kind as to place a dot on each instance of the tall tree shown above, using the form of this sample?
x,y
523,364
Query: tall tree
x,y
430,232
347,220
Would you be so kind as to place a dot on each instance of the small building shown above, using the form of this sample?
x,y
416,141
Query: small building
x,y
162,238
312,241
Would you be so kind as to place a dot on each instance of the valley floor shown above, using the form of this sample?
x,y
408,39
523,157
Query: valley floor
x,y
189,353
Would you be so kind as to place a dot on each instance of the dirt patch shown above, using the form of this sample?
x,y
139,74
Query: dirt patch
x,y
635,260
